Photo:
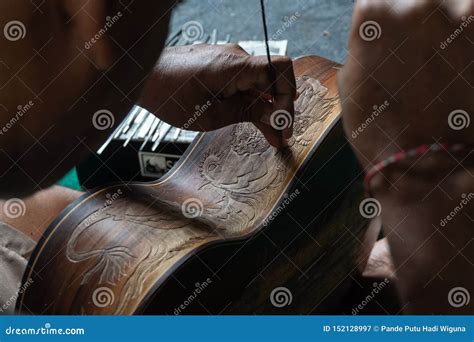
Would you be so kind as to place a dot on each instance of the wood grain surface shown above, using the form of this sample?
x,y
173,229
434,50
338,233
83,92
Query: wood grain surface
x,y
234,220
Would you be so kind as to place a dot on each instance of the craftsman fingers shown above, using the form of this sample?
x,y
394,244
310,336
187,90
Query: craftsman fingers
x,y
254,75
257,76
245,107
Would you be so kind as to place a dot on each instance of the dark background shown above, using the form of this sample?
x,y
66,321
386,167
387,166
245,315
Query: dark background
x,y
321,29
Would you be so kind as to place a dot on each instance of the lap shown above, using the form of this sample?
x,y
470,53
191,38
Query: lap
x,y
34,214
15,250
22,222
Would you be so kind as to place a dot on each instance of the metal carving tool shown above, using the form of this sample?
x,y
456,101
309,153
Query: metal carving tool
x,y
174,37
177,132
271,68
157,132
145,127
153,127
213,39
135,126
118,131
133,115
109,139
163,132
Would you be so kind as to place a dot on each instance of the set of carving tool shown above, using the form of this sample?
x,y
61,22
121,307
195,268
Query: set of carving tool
x,y
142,147
141,125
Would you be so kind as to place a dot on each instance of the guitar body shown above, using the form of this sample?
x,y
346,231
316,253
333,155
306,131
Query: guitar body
x,y
234,220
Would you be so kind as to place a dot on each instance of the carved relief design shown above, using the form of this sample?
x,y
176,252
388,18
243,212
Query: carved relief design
x,y
247,176
243,179
159,234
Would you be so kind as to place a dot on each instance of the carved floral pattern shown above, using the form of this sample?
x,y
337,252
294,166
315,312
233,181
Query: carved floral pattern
x,y
242,177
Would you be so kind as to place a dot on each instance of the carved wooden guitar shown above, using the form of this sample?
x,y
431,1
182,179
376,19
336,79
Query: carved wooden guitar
x,y
222,231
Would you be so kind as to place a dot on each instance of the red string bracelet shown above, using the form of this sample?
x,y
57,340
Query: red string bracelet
x,y
412,153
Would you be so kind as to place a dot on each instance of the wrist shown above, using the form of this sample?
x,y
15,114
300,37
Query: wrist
x,y
413,179
426,206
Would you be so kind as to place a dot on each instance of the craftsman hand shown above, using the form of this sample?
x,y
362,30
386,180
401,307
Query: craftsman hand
x,y
409,76
206,87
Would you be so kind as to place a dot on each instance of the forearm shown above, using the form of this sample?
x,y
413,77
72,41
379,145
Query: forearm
x,y
428,218
207,87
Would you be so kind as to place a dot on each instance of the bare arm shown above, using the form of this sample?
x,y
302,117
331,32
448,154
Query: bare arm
x,y
427,209
206,87
401,82
77,58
